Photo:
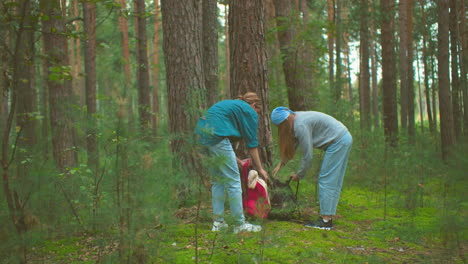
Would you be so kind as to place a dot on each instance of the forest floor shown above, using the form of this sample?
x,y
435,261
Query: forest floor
x,y
366,231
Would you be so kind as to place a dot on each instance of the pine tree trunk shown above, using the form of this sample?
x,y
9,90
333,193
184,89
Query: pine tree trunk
x,y
143,66
184,70
447,132
89,14
410,76
331,43
123,25
390,118
375,87
455,95
60,92
249,62
339,64
308,61
364,77
403,66
463,30
210,49
427,74
292,68
75,56
157,27
227,74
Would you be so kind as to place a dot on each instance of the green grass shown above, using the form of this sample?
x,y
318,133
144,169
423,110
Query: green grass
x,y
361,236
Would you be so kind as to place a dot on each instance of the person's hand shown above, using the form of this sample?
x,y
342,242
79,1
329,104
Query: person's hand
x,y
277,168
294,177
264,174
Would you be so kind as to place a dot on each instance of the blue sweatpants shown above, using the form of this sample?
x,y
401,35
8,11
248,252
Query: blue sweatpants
x,y
332,172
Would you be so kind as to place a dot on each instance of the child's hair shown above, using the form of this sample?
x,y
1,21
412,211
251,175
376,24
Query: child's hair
x,y
250,98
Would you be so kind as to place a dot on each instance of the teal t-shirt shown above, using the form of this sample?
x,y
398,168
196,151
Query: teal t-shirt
x,y
228,119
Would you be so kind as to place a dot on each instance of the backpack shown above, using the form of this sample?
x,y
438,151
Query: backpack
x,y
255,198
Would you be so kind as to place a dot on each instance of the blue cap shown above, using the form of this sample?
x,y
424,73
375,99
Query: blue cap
x,y
279,114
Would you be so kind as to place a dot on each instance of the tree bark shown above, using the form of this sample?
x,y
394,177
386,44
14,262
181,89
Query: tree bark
x,y
184,71
390,118
123,25
410,76
338,44
76,60
144,105
447,132
403,69
364,76
290,54
249,61
210,49
455,95
157,27
425,56
331,43
60,90
375,87
89,14
463,30
227,73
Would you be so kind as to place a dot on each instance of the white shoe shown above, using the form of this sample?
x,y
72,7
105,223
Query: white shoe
x,y
247,227
217,226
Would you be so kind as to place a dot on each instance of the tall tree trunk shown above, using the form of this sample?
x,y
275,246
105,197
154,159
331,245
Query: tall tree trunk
x,y
227,74
143,66
445,105
89,14
75,56
184,70
456,104
157,27
210,49
420,99
339,64
425,56
307,55
248,60
432,51
24,96
375,87
410,76
403,69
463,30
364,77
123,26
275,73
390,118
292,68
331,42
60,93
346,52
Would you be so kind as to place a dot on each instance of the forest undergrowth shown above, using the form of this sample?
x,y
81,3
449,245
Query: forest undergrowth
x,y
397,206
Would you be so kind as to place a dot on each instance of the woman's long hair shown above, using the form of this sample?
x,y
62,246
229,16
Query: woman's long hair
x,y
286,139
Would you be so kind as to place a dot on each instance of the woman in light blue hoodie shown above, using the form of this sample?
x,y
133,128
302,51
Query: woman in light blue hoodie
x,y
308,130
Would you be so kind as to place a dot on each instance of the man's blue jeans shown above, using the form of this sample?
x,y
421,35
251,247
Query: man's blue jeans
x,y
225,177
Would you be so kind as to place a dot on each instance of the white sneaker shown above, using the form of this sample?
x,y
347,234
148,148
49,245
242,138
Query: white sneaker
x,y
217,226
247,227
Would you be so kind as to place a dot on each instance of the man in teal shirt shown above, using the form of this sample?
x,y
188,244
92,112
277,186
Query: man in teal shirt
x,y
225,121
